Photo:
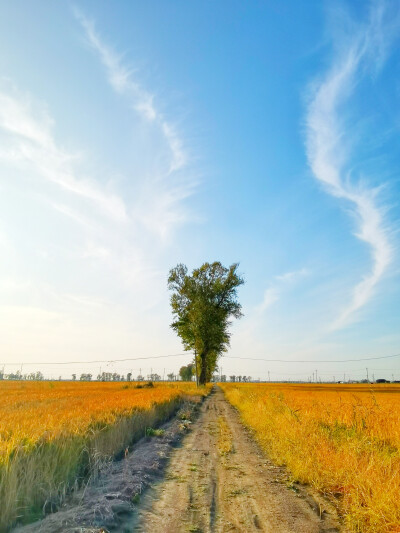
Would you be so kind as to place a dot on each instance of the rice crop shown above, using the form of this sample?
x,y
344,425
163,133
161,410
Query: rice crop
x,y
53,435
343,440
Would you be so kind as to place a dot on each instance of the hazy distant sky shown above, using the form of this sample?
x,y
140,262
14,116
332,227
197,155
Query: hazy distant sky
x,y
136,135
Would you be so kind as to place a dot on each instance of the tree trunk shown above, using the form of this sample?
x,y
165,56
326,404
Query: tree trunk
x,y
203,369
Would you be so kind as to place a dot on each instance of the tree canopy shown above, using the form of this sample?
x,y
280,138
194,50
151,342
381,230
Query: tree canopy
x,y
203,304
186,372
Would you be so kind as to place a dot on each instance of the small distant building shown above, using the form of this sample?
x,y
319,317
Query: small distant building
x,y
382,381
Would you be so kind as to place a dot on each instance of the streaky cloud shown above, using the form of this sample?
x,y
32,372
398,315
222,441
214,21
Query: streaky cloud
x,y
29,140
327,147
120,78
293,275
273,293
161,208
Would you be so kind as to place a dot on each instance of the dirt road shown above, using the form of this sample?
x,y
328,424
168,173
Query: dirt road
x,y
219,481
213,479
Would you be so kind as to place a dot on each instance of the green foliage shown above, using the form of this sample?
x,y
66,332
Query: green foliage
x,y
151,432
186,372
135,498
203,304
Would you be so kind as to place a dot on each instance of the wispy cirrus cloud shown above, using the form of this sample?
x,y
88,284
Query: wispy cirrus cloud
x,y
327,143
293,275
28,142
273,293
28,139
118,223
104,250
123,235
161,208
121,80
257,318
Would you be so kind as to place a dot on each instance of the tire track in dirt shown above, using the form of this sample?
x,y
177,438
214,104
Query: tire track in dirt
x,y
219,481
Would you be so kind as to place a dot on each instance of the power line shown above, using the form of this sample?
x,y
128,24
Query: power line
x,y
97,360
329,372
109,361
313,360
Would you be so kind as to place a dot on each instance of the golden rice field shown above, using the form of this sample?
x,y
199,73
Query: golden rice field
x,y
344,440
53,434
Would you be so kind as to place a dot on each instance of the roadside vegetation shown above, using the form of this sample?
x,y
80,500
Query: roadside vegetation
x,y
343,440
54,435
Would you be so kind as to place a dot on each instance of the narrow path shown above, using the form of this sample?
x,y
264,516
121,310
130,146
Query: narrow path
x,y
219,481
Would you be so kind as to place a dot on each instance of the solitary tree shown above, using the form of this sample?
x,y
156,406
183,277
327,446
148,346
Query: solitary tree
x,y
203,304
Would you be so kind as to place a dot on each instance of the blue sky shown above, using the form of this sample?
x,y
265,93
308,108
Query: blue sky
x,y
136,135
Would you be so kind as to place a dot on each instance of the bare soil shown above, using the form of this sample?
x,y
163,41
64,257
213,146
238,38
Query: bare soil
x,y
220,481
109,502
215,479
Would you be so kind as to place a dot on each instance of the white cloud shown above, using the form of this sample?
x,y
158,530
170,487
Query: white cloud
x,y
161,208
142,101
271,295
126,237
29,141
95,251
292,276
327,145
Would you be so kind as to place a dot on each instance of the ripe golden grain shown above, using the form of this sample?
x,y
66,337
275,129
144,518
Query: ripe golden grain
x,y
53,435
344,440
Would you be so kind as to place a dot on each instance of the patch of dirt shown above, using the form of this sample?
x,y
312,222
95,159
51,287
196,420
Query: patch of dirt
x,y
220,481
109,502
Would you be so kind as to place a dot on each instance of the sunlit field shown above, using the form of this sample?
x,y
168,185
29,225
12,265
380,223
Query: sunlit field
x,y
54,434
344,440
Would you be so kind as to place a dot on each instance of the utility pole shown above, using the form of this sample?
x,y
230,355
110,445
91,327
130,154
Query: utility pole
x,y
367,375
313,377
344,378
316,374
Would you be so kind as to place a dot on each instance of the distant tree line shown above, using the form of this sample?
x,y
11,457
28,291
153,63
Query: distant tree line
x,y
186,373
114,376
240,379
32,376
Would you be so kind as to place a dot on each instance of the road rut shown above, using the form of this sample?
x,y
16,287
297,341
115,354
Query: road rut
x,y
220,481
